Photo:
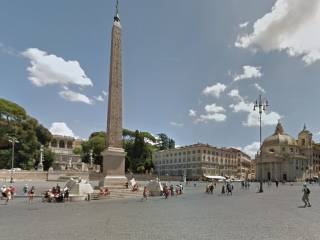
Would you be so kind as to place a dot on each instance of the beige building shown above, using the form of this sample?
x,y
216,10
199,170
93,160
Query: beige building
x,y
65,159
200,160
252,171
289,159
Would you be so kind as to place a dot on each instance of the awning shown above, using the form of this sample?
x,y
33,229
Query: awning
x,y
215,177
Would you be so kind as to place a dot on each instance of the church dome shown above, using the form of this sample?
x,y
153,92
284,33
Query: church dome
x,y
279,138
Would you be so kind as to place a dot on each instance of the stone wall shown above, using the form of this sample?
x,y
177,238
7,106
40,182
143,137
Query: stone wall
x,y
5,175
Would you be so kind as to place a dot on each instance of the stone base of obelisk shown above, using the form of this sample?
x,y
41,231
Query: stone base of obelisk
x,y
113,168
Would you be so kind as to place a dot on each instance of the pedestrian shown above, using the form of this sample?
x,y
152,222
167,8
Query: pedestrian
x,y
229,189
181,188
8,195
277,183
171,190
25,189
211,188
3,192
166,191
12,191
145,194
31,194
223,191
305,197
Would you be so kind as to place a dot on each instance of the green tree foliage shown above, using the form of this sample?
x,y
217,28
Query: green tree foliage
x,y
48,159
165,142
139,147
96,142
15,122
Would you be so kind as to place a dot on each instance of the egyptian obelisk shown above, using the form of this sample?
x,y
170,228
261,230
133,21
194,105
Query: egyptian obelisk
x,y
114,154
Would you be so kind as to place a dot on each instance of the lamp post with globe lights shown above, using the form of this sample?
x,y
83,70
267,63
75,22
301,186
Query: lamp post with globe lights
x,y
13,140
260,105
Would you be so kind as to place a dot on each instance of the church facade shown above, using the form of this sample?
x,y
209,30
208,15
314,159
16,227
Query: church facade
x,y
285,158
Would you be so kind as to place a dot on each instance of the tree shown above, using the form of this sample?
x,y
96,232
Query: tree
x,y
139,147
49,157
165,142
15,122
97,143
44,136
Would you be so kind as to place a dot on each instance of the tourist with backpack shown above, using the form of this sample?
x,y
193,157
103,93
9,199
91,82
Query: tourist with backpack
x,y
305,197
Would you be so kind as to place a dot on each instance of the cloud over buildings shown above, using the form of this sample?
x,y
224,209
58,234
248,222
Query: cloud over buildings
x,y
61,128
75,97
248,72
176,124
291,26
251,149
192,113
214,90
49,69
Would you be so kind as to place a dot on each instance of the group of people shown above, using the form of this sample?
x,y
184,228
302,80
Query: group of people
x,y
171,190
55,194
210,187
226,188
245,185
7,193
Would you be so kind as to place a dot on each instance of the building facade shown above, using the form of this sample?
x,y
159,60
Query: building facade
x,y
285,158
200,160
63,147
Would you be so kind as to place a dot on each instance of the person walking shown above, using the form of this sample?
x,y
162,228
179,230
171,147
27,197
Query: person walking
x,y
223,191
305,197
25,189
31,194
277,183
145,194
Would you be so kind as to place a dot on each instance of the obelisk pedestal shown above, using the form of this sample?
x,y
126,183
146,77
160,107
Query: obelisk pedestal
x,y
113,168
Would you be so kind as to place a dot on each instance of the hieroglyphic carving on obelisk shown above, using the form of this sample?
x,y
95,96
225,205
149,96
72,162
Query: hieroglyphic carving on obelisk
x,y
114,121
114,154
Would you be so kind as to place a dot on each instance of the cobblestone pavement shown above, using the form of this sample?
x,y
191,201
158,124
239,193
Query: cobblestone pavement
x,y
274,214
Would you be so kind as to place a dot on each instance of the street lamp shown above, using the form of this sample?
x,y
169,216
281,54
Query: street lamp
x,y
13,140
91,158
260,106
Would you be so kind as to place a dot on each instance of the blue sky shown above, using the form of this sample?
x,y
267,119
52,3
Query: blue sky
x,y
190,68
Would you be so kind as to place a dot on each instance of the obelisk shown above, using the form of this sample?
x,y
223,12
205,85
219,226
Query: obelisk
x,y
114,154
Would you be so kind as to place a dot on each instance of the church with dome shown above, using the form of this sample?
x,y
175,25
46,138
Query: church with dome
x,y
285,158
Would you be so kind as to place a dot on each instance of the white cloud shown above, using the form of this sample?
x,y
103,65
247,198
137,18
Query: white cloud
x,y
252,149
192,113
99,98
217,117
292,26
260,89
75,97
242,106
253,116
61,128
248,72
268,119
49,69
213,108
234,93
176,124
105,93
243,25
214,90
